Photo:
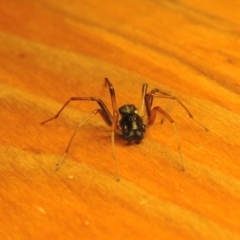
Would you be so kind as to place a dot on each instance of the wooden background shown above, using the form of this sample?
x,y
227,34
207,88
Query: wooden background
x,y
51,50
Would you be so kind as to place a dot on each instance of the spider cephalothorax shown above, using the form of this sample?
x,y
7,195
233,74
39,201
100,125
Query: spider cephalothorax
x,y
130,124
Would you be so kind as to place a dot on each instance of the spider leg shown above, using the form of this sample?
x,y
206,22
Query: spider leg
x,y
160,94
112,94
166,110
105,112
142,109
58,165
114,125
111,120
151,119
60,162
151,101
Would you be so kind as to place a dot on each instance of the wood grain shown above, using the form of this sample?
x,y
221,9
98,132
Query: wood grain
x,y
53,50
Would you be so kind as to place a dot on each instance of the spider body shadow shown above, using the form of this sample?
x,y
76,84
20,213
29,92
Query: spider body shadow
x,y
125,120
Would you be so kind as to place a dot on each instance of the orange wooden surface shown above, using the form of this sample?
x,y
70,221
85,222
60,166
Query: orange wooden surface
x,y
52,50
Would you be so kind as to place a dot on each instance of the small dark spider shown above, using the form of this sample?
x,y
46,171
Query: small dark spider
x,y
131,125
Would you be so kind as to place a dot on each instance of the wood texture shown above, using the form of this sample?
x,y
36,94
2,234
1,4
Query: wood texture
x,y
53,50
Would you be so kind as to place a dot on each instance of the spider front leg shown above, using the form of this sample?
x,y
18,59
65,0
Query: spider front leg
x,y
152,112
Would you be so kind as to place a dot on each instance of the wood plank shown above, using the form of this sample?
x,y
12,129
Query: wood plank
x,y
53,50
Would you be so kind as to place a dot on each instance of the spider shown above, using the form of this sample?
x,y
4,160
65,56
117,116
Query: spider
x,y
125,120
